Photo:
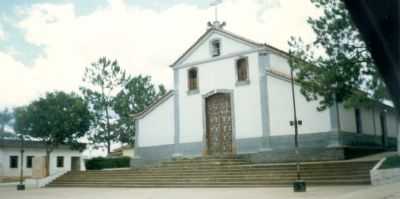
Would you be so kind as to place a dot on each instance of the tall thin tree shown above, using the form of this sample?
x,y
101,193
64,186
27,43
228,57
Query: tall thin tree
x,y
103,79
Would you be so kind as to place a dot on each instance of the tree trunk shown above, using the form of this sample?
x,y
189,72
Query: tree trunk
x,y
48,151
108,133
108,139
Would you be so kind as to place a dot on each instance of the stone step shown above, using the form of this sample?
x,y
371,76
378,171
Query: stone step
x,y
211,184
210,179
220,172
239,169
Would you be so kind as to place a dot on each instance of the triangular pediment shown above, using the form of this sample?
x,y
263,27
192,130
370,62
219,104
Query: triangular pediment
x,y
230,44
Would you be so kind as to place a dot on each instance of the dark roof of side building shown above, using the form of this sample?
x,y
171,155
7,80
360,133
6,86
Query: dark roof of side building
x,y
13,143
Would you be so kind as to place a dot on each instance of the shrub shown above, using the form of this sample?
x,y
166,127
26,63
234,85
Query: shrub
x,y
391,162
99,163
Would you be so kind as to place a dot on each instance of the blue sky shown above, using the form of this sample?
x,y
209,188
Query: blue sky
x,y
45,45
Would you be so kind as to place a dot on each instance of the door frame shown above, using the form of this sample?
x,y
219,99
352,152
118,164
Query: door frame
x,y
73,160
204,111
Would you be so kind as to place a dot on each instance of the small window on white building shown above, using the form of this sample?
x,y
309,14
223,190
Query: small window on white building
x,y
357,113
60,161
242,69
193,79
13,162
215,47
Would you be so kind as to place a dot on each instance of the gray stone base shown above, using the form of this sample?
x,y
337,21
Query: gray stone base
x,y
313,147
289,155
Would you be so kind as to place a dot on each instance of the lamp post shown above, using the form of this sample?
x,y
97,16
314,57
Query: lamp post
x,y
21,186
299,185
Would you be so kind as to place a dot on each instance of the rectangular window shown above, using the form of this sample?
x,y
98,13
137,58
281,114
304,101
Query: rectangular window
x,y
358,120
215,47
242,68
60,161
13,162
29,160
192,79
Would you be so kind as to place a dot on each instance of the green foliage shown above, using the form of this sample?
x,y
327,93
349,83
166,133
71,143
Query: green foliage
x,y
344,67
136,95
104,79
6,117
99,163
391,162
58,118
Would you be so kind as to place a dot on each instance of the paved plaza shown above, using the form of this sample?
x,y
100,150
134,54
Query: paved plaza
x,y
332,192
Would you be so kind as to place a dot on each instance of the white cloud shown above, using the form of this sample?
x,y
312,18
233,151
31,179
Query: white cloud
x,y
144,41
2,33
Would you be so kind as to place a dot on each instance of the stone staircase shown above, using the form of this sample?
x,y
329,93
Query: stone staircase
x,y
221,172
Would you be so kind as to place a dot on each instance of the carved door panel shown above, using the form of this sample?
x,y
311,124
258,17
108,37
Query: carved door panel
x,y
219,124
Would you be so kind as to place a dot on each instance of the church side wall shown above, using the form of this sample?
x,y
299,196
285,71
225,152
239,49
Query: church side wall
x,y
157,127
281,104
216,75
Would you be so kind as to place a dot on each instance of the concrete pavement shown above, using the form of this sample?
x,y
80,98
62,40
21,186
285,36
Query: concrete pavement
x,y
331,192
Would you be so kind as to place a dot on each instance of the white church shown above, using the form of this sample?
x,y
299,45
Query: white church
x,y
232,96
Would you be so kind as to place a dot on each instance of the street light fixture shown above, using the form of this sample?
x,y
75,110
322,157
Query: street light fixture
x,y
21,185
299,185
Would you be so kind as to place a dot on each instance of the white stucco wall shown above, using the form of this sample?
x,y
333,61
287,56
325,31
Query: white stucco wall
x,y
221,74
9,172
157,127
228,46
281,103
281,110
279,63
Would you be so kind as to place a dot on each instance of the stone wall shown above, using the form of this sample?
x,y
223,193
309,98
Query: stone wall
x,y
289,155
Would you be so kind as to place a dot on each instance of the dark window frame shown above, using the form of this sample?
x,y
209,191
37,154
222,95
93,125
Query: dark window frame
x,y
215,47
13,162
29,161
357,114
193,79
60,161
383,124
242,69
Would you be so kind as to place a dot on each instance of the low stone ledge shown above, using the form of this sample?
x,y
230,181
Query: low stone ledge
x,y
384,176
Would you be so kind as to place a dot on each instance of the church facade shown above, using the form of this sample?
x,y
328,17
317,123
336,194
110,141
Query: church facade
x,y
232,96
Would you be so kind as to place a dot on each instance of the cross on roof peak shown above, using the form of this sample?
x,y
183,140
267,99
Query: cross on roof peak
x,y
216,23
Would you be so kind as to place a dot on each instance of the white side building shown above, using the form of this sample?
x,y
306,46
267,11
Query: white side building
x,y
233,96
62,159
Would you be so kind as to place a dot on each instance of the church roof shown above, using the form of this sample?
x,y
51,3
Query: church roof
x,y
233,35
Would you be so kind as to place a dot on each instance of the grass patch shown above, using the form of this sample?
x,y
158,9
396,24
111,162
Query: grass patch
x,y
391,162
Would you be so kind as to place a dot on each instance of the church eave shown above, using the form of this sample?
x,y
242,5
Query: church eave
x,y
153,105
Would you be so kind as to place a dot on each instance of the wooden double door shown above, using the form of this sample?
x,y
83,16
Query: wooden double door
x,y
219,124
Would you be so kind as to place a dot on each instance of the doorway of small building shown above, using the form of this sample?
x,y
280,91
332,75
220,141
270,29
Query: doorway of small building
x,y
75,163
